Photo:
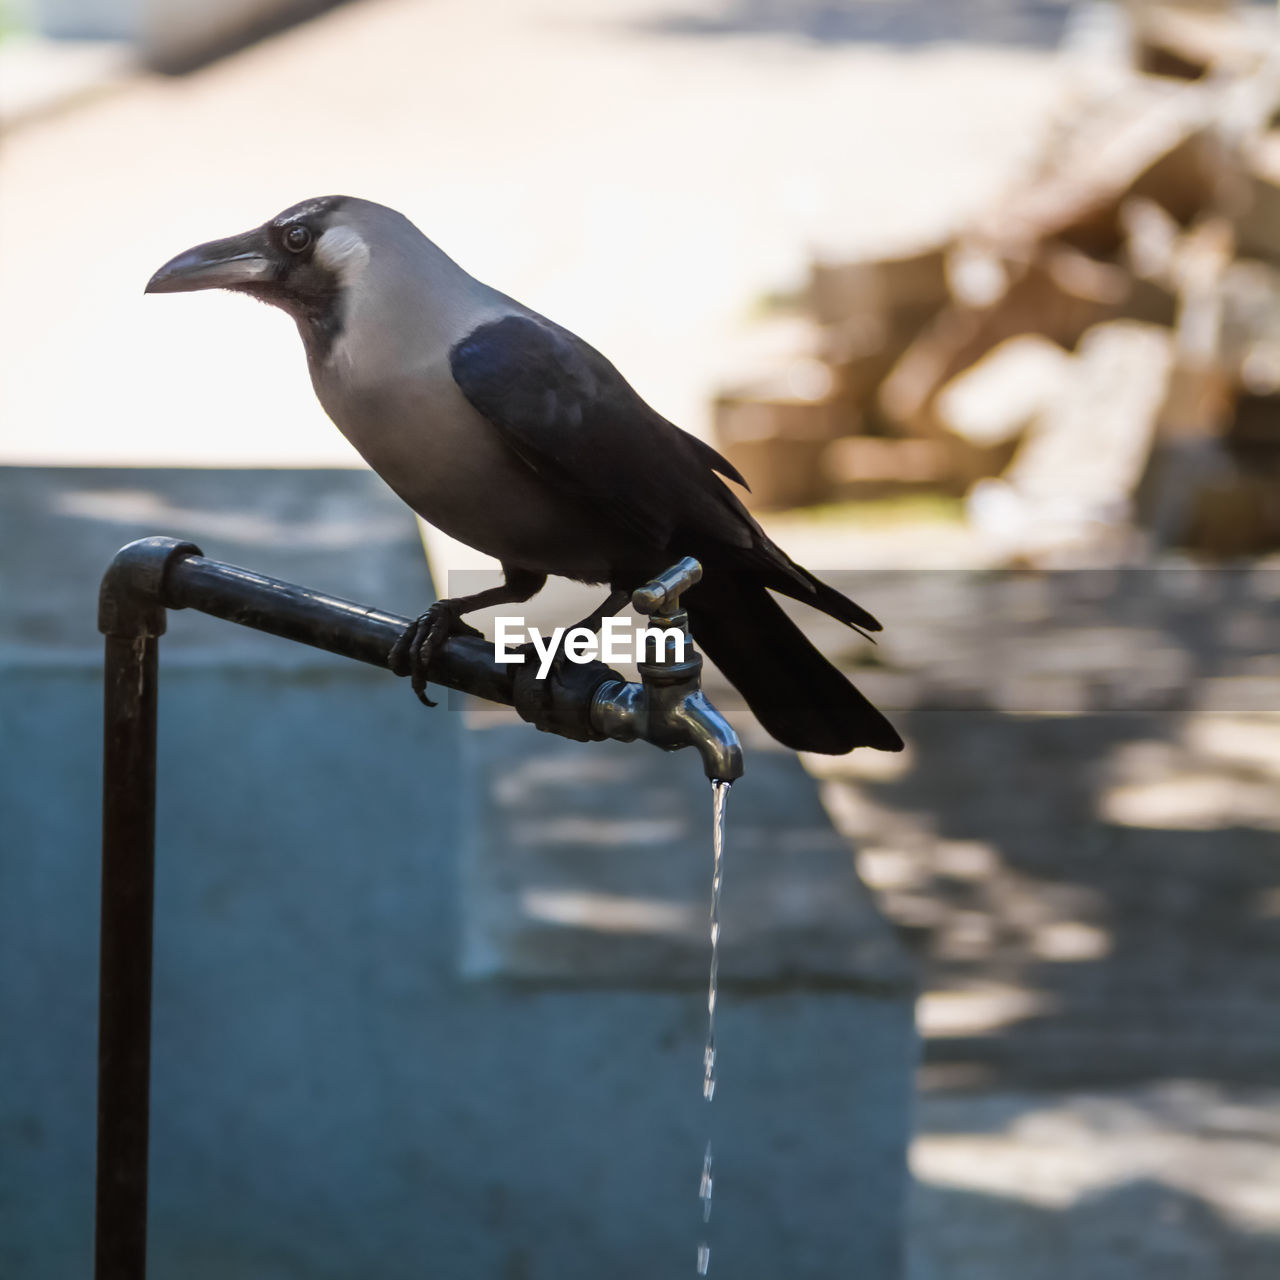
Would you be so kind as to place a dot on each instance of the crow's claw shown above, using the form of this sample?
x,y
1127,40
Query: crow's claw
x,y
412,653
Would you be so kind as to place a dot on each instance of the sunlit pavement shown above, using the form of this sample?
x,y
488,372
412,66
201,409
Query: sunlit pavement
x,y
639,179
1081,848
1162,1180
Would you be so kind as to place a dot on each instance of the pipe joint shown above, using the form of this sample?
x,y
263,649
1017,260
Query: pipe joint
x,y
131,599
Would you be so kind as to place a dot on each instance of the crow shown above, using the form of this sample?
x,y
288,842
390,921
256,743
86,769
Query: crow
x,y
511,434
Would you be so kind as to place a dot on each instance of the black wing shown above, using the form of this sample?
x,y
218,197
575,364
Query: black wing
x,y
572,417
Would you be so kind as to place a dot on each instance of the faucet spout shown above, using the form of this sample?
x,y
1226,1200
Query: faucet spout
x,y
712,736
670,717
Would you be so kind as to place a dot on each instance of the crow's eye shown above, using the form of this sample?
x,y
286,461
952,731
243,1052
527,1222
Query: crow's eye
x,y
297,238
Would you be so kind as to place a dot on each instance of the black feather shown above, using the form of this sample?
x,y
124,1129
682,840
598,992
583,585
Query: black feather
x,y
795,693
572,417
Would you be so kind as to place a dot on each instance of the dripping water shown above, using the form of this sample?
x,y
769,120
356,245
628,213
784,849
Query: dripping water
x,y
720,794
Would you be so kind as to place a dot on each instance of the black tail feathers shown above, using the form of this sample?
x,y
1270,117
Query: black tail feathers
x,y
829,600
797,695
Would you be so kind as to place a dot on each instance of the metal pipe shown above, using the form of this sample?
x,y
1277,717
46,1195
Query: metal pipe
x,y
668,710
124,1028
325,622
583,701
132,618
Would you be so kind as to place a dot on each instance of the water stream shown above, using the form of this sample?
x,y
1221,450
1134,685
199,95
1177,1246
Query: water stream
x,y
720,794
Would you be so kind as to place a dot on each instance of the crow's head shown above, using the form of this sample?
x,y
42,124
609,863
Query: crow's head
x,y
303,260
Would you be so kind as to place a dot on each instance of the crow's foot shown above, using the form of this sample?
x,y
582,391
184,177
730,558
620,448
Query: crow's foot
x,y
411,655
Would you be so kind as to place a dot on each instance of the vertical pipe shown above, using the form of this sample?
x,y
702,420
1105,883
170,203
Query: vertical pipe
x,y
124,1029
131,614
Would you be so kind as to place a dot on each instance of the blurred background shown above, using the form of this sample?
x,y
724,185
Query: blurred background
x,y
983,298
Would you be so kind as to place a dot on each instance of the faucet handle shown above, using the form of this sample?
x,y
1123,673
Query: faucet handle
x,y
661,596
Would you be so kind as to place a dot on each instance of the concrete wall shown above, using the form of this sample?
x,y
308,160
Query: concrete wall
x,y
332,1097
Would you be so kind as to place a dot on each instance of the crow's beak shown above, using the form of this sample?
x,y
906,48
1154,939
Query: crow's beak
x,y
220,264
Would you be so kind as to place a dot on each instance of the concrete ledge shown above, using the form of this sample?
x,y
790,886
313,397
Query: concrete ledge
x,y
591,863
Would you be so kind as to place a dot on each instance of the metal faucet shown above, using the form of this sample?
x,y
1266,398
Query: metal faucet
x,y
585,701
146,579
668,707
